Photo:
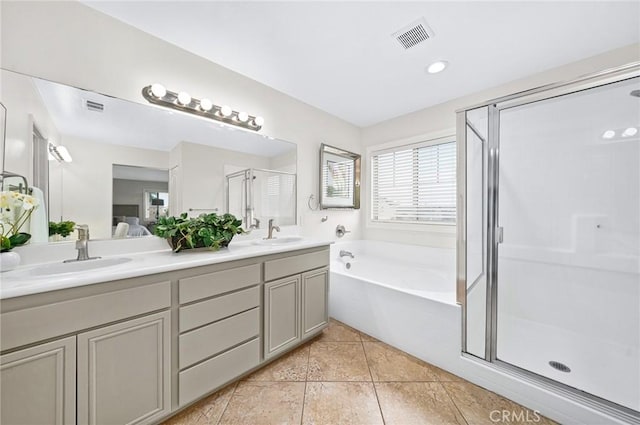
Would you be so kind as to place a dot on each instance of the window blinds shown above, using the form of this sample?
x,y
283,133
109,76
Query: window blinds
x,y
415,184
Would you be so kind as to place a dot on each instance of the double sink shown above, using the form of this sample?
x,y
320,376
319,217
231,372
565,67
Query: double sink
x,y
88,265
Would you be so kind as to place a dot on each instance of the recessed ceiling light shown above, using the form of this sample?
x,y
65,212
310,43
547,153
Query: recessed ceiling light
x,y
609,134
629,132
437,66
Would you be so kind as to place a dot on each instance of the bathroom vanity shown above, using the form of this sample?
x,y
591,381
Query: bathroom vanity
x,y
138,347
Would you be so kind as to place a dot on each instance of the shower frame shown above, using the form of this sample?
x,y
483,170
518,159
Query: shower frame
x,y
248,192
493,232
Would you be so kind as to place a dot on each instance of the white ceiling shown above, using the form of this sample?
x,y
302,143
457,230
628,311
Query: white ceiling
x,y
145,126
341,58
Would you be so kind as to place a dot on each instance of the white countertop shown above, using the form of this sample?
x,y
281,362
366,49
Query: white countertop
x,y
20,282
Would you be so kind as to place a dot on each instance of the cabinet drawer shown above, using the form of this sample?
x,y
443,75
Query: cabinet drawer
x,y
204,312
29,325
209,375
216,337
210,284
288,266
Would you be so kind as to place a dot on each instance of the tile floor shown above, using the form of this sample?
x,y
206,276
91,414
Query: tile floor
x,y
345,377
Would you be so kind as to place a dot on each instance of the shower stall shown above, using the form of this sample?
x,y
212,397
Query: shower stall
x,y
258,195
549,237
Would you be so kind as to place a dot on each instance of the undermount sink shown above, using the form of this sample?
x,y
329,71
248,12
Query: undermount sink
x,y
278,241
77,266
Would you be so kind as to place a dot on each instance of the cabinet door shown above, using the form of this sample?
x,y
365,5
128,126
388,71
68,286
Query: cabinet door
x,y
124,372
281,315
38,384
315,301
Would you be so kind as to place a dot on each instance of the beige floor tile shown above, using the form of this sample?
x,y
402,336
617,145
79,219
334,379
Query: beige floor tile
x,y
265,403
341,403
369,338
187,417
444,376
290,367
339,332
416,403
205,412
337,361
389,364
482,407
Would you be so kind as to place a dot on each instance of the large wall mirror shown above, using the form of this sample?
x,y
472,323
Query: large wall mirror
x,y
102,161
339,178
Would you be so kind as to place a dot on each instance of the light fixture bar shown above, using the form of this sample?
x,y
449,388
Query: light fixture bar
x,y
60,153
181,101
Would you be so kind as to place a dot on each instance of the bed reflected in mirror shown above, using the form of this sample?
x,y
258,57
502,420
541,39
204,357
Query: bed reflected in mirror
x,y
140,196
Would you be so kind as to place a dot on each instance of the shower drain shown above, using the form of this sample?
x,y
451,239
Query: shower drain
x,y
559,366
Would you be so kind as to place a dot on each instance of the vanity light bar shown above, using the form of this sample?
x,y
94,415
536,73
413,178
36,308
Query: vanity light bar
x,y
182,101
59,153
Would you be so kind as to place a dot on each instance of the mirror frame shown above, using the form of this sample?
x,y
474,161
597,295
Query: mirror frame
x,y
356,158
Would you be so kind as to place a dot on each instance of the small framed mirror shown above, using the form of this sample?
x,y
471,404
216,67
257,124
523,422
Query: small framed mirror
x,y
339,178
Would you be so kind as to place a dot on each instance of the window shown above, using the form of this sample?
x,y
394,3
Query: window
x,y
414,184
156,204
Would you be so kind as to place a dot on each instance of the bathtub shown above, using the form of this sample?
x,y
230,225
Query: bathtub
x,y
403,295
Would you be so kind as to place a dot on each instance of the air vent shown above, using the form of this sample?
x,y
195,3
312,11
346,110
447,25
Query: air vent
x,y
414,34
94,106
559,366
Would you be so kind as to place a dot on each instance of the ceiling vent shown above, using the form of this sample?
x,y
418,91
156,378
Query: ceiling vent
x,y
94,106
414,34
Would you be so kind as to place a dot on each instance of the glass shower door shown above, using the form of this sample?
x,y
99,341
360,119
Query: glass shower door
x,y
568,264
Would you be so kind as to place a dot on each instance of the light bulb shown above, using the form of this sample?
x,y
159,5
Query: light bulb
x,y
437,66
630,132
226,111
206,105
258,121
158,90
609,134
184,98
243,116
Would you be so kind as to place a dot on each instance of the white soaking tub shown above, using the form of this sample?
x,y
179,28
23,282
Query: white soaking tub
x,y
403,295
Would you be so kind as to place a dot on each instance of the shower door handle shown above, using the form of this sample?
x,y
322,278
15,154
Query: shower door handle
x,y
499,234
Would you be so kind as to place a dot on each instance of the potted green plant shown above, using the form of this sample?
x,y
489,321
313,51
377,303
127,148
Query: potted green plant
x,y
211,231
16,209
60,230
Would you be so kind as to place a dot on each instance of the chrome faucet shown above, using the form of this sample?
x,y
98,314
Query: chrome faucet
x,y
255,226
344,253
271,229
82,244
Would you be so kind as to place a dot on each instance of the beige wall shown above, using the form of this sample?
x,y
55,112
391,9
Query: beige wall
x,y
87,181
24,110
439,120
78,46
202,175
75,45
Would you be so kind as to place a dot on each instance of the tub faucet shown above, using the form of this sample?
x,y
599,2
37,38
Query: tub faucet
x,y
271,229
344,253
82,244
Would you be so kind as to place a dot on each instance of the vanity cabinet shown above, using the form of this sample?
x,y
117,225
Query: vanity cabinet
x,y
38,384
315,301
105,368
281,315
219,325
296,306
134,351
124,372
